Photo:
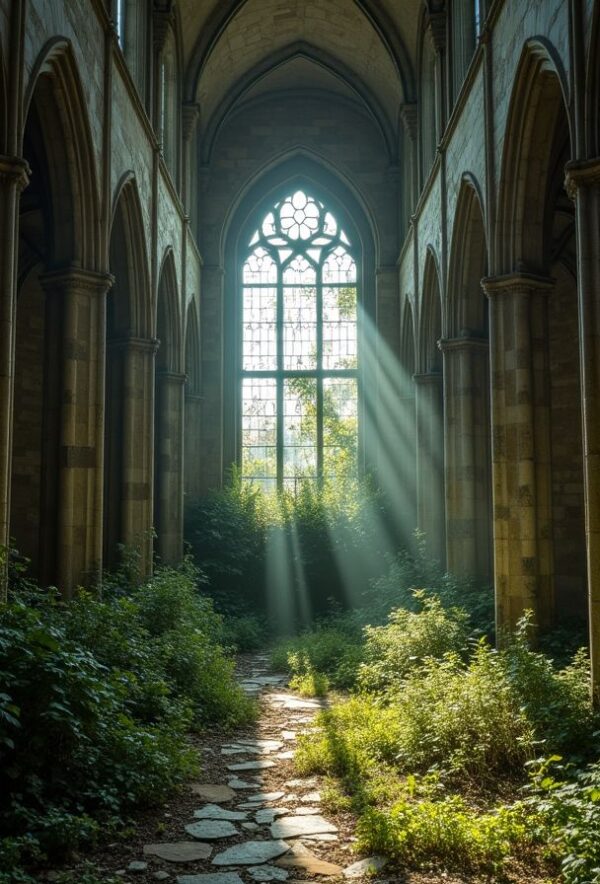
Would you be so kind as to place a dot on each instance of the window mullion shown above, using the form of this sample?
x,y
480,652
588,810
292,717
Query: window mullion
x,y
279,381
319,375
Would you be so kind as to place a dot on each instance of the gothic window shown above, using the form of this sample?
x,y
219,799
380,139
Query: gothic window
x,y
299,361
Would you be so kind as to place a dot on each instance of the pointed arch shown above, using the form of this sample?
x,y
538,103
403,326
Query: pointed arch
x,y
133,312
466,304
55,107
430,317
168,317
538,123
593,88
192,350
407,339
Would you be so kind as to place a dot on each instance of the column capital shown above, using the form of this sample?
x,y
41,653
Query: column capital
x,y
190,114
463,342
436,23
140,345
15,169
428,378
163,16
408,115
63,279
518,283
581,174
172,377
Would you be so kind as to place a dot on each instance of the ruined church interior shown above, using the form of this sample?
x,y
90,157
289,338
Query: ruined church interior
x,y
286,245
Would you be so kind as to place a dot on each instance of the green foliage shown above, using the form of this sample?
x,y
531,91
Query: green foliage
x,y
97,699
568,799
332,648
320,546
409,639
307,682
411,570
245,633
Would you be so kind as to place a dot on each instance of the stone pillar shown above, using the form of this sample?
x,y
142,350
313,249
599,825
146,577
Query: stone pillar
x,y
523,566
168,481
138,449
13,178
193,444
76,307
430,462
466,436
583,185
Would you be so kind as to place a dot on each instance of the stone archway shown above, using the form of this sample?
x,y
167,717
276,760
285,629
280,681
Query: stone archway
x,y
56,477
536,411
467,395
129,387
429,415
168,419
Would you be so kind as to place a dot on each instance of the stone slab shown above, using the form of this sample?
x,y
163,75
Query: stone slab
x,y
366,866
211,830
260,764
179,851
213,792
297,826
251,853
215,812
300,857
211,878
268,873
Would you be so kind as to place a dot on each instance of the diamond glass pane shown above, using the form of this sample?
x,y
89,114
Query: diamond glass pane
x,y
260,268
259,431
340,425
299,431
299,328
259,329
340,339
339,267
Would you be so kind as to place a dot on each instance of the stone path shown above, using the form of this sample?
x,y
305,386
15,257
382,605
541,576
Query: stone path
x,y
257,822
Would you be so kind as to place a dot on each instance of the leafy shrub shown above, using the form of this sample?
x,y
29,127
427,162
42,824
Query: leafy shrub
x,y
448,830
308,682
410,570
332,648
245,633
96,701
570,805
409,639
480,719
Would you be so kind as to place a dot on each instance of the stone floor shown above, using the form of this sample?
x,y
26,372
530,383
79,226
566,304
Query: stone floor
x,y
255,820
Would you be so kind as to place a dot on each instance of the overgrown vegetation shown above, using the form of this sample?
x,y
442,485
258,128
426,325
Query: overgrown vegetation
x,y
99,696
452,754
310,552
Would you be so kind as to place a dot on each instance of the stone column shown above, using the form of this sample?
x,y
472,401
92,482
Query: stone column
x,y
220,420
76,306
13,178
193,444
583,185
523,566
466,436
138,449
168,481
430,462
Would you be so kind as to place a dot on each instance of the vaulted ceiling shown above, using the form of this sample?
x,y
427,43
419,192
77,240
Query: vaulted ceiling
x,y
361,51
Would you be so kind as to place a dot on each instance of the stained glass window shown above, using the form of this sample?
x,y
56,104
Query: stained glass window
x,y
299,348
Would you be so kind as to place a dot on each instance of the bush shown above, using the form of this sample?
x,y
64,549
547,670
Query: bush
x,y
333,648
570,805
409,639
449,831
96,703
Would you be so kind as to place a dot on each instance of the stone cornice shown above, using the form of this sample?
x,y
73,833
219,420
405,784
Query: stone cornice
x,y
519,283
436,22
163,17
15,169
583,173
